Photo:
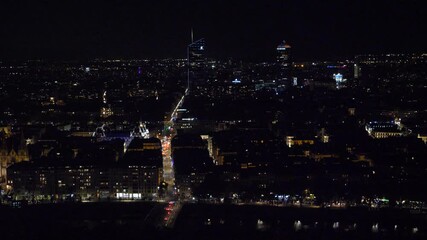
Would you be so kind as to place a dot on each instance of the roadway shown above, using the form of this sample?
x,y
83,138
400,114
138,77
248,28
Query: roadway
x,y
172,210
168,172
167,134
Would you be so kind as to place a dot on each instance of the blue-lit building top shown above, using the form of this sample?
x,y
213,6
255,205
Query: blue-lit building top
x,y
196,52
196,63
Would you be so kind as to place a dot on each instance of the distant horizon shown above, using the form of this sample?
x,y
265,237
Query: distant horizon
x,y
128,58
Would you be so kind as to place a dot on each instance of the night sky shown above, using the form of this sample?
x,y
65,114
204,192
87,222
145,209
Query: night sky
x,y
243,29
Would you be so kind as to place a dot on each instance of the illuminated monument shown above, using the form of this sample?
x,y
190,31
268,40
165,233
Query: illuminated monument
x,y
196,64
339,80
284,62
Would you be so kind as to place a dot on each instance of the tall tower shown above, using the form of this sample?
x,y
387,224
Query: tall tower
x,y
284,61
196,64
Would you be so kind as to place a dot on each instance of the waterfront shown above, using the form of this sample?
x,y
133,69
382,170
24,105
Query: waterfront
x,y
124,220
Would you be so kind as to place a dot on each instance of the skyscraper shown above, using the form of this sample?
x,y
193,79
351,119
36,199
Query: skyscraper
x,y
196,64
284,62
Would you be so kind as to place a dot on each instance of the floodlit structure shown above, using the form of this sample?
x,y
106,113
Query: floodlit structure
x,y
383,129
339,79
141,131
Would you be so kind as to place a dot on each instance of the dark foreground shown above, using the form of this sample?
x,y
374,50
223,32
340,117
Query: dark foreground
x,y
197,221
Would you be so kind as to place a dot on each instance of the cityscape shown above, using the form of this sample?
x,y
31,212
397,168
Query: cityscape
x,y
208,146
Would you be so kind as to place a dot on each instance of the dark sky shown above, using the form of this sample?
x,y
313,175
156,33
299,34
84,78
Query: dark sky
x,y
245,29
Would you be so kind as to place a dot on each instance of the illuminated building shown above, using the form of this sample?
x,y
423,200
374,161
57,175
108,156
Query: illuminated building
x,y
196,64
339,80
12,151
87,181
135,175
423,137
323,136
383,129
5,131
338,77
293,141
141,131
284,61
295,81
106,110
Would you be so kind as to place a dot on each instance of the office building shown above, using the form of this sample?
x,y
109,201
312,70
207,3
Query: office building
x,y
196,65
284,62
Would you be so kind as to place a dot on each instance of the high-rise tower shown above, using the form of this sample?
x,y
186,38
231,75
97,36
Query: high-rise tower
x,y
196,64
284,61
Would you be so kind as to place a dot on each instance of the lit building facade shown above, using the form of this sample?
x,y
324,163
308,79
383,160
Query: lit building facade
x,y
383,129
284,61
135,175
11,151
49,181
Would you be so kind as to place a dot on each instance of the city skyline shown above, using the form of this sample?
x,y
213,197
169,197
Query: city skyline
x,y
213,119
